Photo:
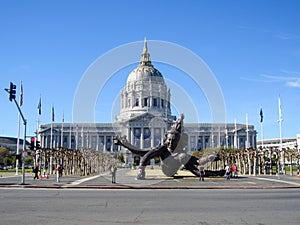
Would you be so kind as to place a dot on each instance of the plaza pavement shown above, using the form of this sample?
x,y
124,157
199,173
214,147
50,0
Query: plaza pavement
x,y
155,179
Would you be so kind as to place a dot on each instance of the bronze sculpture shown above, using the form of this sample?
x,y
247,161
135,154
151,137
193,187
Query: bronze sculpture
x,y
171,152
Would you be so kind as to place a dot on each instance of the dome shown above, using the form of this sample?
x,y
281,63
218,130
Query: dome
x,y
145,73
145,70
145,92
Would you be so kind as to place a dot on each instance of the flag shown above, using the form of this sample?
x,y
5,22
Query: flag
x,y
261,115
53,114
40,106
63,117
21,95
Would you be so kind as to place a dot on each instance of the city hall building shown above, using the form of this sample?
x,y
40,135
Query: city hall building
x,y
145,116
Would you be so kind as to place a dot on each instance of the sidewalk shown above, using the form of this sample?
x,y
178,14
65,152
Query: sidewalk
x,y
155,179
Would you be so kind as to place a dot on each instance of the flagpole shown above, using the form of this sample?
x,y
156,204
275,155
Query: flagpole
x,y
51,138
280,123
247,132
261,128
226,136
38,127
38,137
51,147
39,107
51,135
262,134
39,113
62,131
235,134
280,134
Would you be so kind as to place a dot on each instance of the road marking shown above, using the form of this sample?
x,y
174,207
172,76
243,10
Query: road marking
x,y
9,176
77,182
279,181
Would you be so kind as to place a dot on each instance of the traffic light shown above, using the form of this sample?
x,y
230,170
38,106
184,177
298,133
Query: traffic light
x,y
12,91
32,139
37,145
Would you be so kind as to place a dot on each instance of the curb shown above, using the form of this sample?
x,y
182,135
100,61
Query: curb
x,y
124,187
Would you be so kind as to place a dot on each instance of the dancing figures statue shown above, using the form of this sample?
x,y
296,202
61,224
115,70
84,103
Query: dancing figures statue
x,y
171,152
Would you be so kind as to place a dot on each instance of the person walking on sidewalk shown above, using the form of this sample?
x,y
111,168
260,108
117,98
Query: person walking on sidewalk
x,y
113,173
58,173
36,171
201,172
227,169
235,175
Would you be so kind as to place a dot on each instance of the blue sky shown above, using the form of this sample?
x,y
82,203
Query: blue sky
x,y
252,47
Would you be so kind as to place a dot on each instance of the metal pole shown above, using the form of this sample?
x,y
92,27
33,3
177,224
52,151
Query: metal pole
x,y
23,154
280,139
38,139
18,144
247,133
262,135
24,143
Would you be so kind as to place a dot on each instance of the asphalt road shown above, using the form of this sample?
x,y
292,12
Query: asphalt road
x,y
201,206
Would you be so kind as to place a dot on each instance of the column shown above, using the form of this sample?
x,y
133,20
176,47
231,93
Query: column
x,y
152,137
131,136
235,142
188,141
212,139
142,138
111,144
104,143
128,134
97,141
42,141
70,137
151,101
54,141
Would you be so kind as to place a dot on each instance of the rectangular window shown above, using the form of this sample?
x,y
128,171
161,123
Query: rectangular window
x,y
145,101
155,102
162,103
137,102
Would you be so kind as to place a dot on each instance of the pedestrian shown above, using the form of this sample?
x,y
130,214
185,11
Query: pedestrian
x,y
113,173
36,171
227,169
231,171
201,173
61,171
235,171
58,173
